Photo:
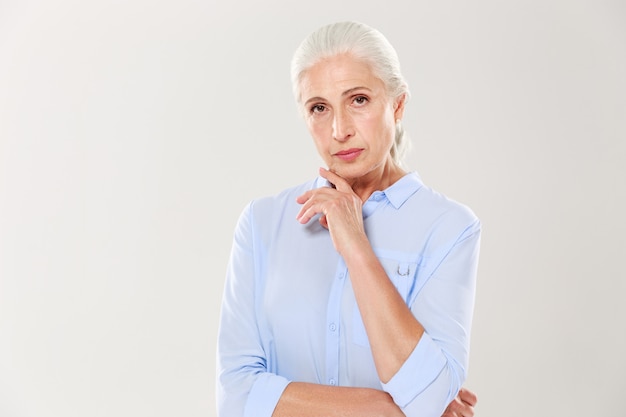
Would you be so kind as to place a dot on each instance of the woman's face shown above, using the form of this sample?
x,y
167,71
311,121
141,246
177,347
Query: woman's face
x,y
350,116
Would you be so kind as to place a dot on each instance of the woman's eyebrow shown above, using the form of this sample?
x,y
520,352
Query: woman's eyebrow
x,y
352,90
345,93
312,99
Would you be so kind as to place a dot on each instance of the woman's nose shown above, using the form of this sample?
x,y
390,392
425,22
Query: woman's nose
x,y
343,127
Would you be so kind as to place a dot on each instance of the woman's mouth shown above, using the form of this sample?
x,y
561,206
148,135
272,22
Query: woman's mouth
x,y
349,154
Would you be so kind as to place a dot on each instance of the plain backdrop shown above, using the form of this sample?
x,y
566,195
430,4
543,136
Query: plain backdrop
x,y
132,134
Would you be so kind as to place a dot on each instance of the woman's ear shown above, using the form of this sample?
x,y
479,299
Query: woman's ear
x,y
398,107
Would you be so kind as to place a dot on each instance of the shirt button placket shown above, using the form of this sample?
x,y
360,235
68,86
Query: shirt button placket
x,y
333,317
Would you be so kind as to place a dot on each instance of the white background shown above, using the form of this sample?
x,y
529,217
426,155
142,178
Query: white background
x,y
132,134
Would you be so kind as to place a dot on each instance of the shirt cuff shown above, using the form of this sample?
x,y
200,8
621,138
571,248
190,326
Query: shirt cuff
x,y
264,395
420,369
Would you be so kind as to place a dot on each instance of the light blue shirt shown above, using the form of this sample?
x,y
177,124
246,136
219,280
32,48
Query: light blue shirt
x,y
289,311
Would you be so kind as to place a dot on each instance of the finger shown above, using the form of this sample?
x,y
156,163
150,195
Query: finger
x,y
464,410
450,413
468,397
307,195
460,409
324,221
339,183
313,206
303,198
307,212
307,201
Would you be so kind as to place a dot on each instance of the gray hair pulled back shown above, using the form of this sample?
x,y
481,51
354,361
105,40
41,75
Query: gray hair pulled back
x,y
363,43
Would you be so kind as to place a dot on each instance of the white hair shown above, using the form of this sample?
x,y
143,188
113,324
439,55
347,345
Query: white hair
x,y
363,43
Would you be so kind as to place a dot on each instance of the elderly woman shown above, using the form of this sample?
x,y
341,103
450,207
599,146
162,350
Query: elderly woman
x,y
351,294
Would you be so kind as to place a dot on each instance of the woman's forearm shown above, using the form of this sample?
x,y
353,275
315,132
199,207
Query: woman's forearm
x,y
392,330
312,400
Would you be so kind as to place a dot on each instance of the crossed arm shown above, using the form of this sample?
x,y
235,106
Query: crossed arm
x,y
311,400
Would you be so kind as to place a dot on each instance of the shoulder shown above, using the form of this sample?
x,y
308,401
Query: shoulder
x,y
443,212
441,204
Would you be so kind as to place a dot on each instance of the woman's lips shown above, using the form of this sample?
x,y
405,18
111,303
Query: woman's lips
x,y
349,154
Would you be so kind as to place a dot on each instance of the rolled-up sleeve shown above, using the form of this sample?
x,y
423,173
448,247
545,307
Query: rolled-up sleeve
x,y
244,386
436,369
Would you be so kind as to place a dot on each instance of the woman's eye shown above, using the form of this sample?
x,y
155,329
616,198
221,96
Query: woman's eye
x,y
318,108
360,100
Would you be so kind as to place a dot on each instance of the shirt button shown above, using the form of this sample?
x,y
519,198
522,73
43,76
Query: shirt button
x,y
332,382
332,327
342,275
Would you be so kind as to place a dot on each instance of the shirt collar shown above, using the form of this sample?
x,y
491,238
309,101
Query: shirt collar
x,y
400,191
397,194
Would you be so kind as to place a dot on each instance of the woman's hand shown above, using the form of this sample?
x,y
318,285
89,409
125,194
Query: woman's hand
x,y
341,211
462,405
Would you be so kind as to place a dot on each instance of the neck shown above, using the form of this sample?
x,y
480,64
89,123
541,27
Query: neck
x,y
377,180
